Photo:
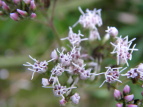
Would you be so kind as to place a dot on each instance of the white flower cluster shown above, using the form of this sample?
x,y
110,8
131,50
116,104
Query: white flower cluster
x,y
77,65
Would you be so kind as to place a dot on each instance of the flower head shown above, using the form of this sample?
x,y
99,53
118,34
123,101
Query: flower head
x,y
90,19
123,50
40,67
112,75
74,38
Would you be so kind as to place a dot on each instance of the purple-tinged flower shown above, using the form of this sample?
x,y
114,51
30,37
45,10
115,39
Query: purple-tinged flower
x,y
54,55
132,73
117,94
112,31
32,5
33,15
40,67
112,75
58,70
62,102
123,50
132,105
14,16
126,89
75,53
59,90
5,6
90,19
119,105
65,59
129,97
74,38
75,98
21,12
85,74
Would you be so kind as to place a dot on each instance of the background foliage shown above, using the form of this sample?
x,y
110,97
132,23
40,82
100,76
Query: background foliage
x,y
37,38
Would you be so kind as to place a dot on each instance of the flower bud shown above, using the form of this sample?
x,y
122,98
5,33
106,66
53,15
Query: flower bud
x,y
112,31
140,67
126,89
75,98
117,94
54,55
21,12
62,102
129,97
132,105
32,5
5,6
119,105
14,16
45,82
33,15
93,35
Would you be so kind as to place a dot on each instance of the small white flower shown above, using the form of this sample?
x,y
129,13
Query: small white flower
x,y
54,55
93,35
75,98
74,38
112,75
45,82
90,19
57,70
40,67
112,31
75,53
132,73
123,50
135,72
59,90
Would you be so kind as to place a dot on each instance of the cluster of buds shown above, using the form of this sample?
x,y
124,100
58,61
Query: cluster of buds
x,y
135,73
125,99
18,9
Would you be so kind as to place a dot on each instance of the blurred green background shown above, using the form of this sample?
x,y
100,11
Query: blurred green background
x,y
34,37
